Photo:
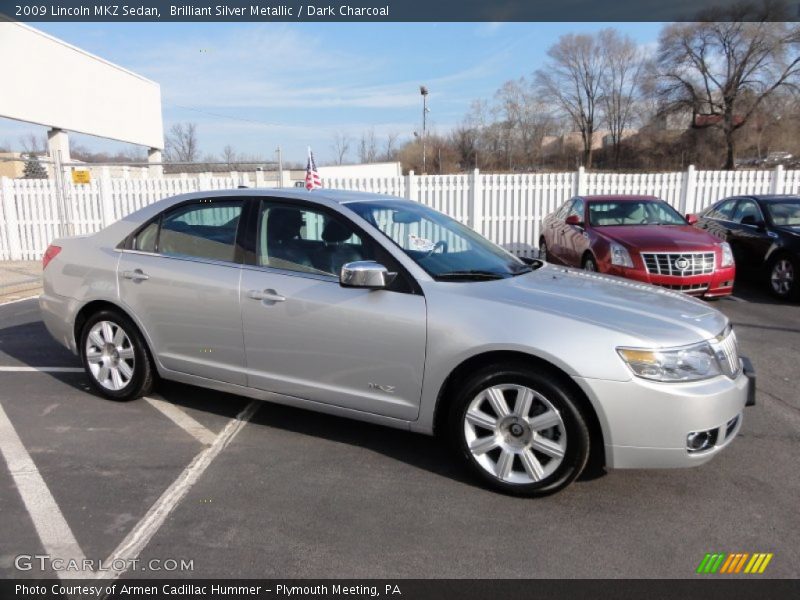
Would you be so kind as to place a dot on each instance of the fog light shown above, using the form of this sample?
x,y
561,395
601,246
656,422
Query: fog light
x,y
697,441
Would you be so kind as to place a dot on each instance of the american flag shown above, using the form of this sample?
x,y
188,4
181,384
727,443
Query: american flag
x,y
312,176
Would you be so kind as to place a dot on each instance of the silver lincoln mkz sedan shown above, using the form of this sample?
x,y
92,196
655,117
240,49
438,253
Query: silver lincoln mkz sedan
x,y
381,309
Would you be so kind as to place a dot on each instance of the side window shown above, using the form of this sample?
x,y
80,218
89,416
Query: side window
x,y
576,209
146,239
561,213
746,208
202,230
723,211
306,240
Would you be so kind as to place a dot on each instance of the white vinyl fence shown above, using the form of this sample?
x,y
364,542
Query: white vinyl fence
x,y
508,209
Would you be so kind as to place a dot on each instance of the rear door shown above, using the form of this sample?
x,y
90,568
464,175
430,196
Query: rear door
x,y
575,237
555,232
181,280
308,337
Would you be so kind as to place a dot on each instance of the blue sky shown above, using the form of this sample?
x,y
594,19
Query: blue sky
x,y
257,85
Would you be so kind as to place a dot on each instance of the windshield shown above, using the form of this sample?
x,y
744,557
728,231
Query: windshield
x,y
442,246
785,212
633,212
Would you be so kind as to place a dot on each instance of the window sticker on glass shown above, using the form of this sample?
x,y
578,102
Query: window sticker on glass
x,y
420,244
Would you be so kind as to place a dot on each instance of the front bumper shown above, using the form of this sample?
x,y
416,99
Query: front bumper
x,y
645,424
719,283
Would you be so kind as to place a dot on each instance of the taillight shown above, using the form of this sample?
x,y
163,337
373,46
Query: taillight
x,y
49,254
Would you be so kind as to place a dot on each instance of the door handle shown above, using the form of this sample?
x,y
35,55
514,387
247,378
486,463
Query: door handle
x,y
270,296
136,275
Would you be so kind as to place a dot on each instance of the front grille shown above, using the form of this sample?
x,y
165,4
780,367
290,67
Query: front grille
x,y
688,288
727,351
679,264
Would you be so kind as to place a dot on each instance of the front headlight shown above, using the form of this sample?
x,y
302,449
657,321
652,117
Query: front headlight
x,y
688,363
620,256
727,255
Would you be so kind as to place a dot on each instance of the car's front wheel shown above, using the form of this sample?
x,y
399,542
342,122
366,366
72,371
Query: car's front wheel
x,y
783,273
520,431
589,263
115,356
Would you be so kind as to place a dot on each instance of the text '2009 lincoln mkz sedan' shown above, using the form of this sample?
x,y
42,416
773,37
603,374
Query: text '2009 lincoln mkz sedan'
x,y
381,309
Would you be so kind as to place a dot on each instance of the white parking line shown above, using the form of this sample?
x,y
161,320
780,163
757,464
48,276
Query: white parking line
x,y
53,530
15,300
183,420
142,533
41,369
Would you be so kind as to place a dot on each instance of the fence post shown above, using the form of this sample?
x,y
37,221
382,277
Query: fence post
x,y
778,180
259,178
688,190
476,201
411,186
106,197
12,223
580,182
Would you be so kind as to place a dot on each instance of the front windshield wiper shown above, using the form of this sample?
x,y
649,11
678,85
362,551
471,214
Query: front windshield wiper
x,y
471,274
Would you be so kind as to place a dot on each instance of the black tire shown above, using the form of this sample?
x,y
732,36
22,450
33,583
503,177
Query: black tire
x,y
560,397
589,263
141,381
785,292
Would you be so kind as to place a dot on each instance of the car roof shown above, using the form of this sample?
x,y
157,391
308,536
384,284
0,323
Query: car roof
x,y
618,197
769,197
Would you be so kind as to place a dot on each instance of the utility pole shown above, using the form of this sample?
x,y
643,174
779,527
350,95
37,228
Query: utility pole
x,y
280,167
424,93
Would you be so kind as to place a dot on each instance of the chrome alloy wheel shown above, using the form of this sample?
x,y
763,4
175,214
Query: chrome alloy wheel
x,y
110,355
515,434
782,276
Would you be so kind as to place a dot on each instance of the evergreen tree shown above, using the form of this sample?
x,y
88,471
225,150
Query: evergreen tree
x,y
34,169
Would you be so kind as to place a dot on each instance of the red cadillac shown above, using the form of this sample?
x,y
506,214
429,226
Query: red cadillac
x,y
641,238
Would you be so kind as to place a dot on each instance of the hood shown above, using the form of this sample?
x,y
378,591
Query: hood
x,y
658,317
659,237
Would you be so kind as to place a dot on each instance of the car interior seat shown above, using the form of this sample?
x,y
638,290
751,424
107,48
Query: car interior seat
x,y
283,239
335,253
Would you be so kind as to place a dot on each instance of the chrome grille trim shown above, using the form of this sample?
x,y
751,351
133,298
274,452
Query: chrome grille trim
x,y
727,350
663,263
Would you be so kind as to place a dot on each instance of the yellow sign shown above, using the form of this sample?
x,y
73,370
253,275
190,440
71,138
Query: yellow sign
x,y
82,176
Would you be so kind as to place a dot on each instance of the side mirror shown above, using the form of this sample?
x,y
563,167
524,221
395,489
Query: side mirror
x,y
366,274
691,219
574,220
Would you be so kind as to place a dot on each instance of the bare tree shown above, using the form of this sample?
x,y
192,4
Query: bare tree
x,y
724,68
32,143
341,146
623,63
390,148
368,147
572,79
181,143
229,155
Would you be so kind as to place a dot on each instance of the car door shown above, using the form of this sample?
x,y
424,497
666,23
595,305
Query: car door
x,y
556,231
308,337
575,237
180,278
748,236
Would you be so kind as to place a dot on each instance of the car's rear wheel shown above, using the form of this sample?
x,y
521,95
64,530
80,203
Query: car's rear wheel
x,y
115,356
783,273
519,431
589,263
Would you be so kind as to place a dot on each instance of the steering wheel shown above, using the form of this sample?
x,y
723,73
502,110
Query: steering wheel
x,y
440,244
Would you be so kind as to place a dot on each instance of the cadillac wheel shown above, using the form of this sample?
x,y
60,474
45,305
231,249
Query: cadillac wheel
x,y
115,356
520,431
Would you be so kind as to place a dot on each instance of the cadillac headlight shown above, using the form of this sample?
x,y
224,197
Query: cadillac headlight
x,y
688,363
620,256
727,255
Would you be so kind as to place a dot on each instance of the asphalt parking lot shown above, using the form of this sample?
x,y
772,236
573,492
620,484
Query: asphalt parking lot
x,y
281,492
